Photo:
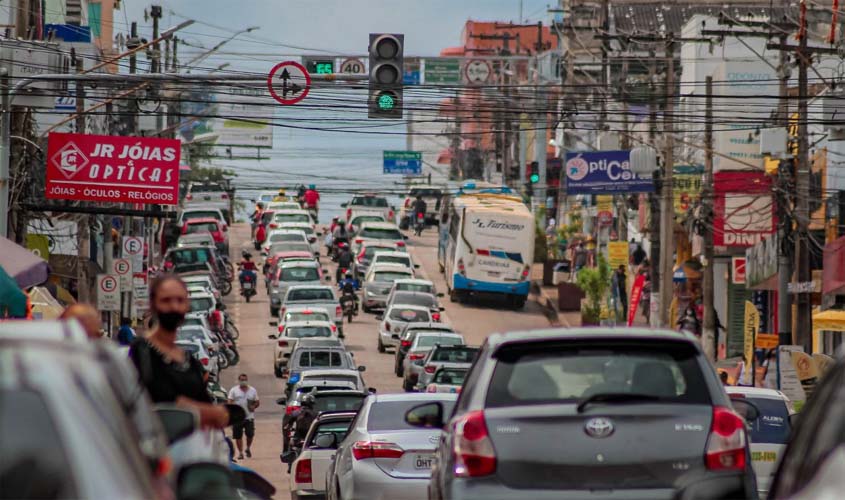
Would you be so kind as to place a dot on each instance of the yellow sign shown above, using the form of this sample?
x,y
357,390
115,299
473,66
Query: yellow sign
x,y
604,203
686,188
752,326
766,341
617,255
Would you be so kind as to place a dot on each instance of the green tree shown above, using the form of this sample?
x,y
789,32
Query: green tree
x,y
595,283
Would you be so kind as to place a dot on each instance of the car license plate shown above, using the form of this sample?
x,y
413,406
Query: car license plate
x,y
423,462
494,273
207,197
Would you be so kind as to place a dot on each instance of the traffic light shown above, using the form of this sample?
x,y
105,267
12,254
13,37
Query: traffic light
x,y
534,173
318,65
386,72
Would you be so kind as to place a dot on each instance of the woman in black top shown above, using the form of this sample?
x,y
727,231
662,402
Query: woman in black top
x,y
169,373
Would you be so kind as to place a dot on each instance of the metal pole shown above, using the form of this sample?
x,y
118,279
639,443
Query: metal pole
x,y
83,233
708,331
5,144
540,155
804,320
654,207
667,219
784,261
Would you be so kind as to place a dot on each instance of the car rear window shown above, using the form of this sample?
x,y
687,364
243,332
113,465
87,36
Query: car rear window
x,y
201,304
366,218
390,415
334,402
432,340
544,373
411,287
455,355
772,426
389,276
368,201
190,333
414,299
32,453
311,294
299,332
337,429
371,250
409,315
291,218
286,237
353,379
189,256
450,376
202,227
323,359
378,233
290,246
309,316
393,259
300,274
191,349
196,214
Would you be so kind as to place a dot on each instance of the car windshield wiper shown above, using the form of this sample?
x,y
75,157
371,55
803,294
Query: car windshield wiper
x,y
613,397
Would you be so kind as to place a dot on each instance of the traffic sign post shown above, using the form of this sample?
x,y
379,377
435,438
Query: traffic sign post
x,y
133,250
108,292
140,295
478,72
122,268
442,71
353,67
402,162
289,82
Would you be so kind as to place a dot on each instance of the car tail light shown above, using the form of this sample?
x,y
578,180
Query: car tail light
x,y
400,244
435,316
283,310
461,268
431,388
348,213
204,361
334,328
390,214
281,328
312,239
163,466
189,197
358,241
406,343
224,196
387,325
430,369
726,442
283,343
290,409
303,471
338,311
525,273
474,453
415,357
273,225
375,449
361,256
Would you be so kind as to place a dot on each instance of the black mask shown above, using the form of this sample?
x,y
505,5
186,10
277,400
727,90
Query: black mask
x,y
170,320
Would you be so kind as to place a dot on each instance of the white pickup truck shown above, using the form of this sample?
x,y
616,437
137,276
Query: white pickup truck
x,y
316,296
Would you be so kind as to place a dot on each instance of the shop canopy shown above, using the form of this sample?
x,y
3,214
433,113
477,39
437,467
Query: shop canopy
x,y
831,320
26,268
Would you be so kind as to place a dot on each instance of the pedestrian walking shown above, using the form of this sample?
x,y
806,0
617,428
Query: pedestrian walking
x,y
638,256
245,396
125,334
621,287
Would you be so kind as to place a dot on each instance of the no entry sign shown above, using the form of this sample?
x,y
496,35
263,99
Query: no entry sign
x,y
289,82
113,169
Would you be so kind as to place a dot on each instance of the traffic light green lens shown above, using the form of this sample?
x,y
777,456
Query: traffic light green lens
x,y
386,102
535,178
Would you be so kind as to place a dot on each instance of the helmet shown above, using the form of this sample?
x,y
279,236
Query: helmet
x,y
349,274
312,186
307,401
260,204
246,255
341,244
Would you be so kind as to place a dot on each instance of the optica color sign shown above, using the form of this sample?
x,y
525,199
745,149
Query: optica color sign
x,y
113,169
603,172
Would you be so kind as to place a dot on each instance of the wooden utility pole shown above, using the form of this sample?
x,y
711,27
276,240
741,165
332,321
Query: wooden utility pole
x,y
709,335
654,204
667,207
804,310
784,222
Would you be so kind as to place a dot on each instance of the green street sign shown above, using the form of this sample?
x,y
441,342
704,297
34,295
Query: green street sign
x,y
442,71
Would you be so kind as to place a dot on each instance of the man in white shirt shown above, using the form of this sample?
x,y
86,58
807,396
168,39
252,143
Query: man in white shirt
x,y
245,396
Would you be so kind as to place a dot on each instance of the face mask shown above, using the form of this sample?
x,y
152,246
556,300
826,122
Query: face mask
x,y
170,320
244,383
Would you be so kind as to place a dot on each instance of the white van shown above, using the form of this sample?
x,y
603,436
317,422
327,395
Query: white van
x,y
487,246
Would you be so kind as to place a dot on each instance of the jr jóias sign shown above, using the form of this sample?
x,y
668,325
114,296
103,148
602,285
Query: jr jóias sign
x,y
113,169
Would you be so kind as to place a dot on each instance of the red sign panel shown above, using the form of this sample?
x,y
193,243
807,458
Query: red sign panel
x,y
738,270
743,208
113,169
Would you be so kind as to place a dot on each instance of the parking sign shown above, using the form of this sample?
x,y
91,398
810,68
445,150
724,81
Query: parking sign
x,y
122,268
133,250
108,292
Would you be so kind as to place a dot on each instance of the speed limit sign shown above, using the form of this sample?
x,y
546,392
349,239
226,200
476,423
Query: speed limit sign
x,y
352,66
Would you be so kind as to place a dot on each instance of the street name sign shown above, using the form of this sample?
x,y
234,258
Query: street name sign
x,y
442,71
402,162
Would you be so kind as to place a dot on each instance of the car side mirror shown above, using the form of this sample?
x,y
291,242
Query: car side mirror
x,y
395,336
793,420
379,317
442,309
372,390
325,441
344,205
328,278
204,480
273,323
178,422
288,457
362,368
427,416
271,337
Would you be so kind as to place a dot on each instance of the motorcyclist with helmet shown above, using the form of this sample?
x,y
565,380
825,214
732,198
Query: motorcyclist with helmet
x,y
300,423
248,268
347,288
344,260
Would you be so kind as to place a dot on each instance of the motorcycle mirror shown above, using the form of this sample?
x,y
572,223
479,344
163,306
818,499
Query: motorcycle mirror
x,y
328,278
362,368
273,323
271,337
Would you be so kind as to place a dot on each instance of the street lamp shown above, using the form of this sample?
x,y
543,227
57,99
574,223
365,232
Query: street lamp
x,y
214,49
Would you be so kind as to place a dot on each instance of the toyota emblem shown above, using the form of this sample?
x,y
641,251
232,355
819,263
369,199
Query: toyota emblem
x,y
598,427
434,439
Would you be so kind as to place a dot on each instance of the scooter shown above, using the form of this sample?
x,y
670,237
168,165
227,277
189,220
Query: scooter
x,y
420,225
248,286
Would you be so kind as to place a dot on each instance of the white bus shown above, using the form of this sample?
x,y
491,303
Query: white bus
x,y
487,246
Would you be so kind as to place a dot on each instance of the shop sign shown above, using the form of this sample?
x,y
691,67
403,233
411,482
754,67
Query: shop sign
x,y
603,172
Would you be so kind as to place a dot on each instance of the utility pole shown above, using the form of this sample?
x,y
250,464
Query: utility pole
x,y
709,335
539,201
784,223
83,233
804,310
654,204
667,207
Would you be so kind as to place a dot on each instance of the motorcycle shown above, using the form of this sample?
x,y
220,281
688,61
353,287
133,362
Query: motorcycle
x,y
248,286
349,303
420,225
335,249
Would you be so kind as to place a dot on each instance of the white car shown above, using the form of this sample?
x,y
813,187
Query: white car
x,y
310,234
202,302
293,331
394,320
285,216
303,313
378,282
769,433
399,258
377,231
201,212
308,472
283,236
282,205
414,285
196,332
196,349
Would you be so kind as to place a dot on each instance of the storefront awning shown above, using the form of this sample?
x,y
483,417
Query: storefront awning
x,y
831,320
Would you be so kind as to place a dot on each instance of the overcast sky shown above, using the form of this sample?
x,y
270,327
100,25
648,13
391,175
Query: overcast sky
x,y
337,26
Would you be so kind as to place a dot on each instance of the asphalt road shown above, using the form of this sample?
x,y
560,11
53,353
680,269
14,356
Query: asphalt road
x,y
474,320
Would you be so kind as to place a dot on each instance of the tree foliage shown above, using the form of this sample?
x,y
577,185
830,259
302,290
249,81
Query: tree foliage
x,y
595,283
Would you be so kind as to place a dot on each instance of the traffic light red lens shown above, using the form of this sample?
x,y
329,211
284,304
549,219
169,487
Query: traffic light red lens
x,y
387,48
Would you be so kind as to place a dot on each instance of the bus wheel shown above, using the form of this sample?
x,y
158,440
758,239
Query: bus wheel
x,y
455,296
